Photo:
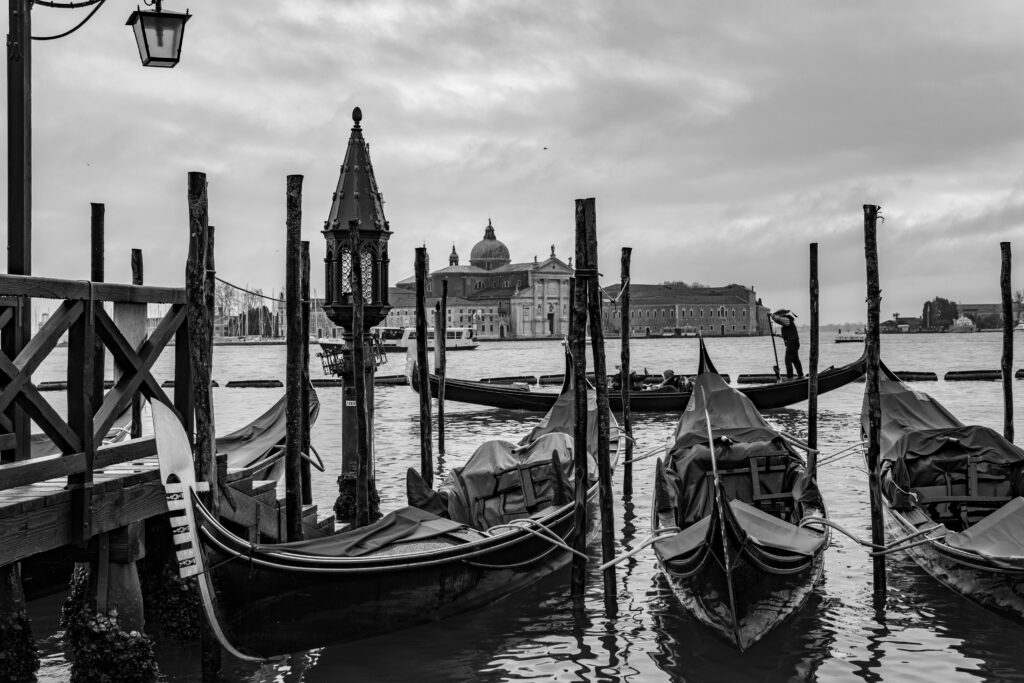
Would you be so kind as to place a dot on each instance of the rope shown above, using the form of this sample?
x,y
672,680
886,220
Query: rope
x,y
838,455
909,541
650,539
648,454
243,289
99,3
525,525
65,5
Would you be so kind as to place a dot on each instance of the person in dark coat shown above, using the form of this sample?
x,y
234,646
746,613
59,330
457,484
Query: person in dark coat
x,y
786,321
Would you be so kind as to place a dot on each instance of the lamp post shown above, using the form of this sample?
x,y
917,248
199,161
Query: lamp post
x,y
159,34
356,218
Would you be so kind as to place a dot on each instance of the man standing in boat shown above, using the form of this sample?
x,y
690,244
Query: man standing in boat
x,y
786,320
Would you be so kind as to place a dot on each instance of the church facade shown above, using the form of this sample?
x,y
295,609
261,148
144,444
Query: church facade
x,y
501,299
506,300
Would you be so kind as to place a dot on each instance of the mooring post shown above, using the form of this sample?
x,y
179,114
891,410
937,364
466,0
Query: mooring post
x,y
441,353
604,468
359,383
627,414
578,349
422,369
1007,362
874,401
137,279
812,369
305,444
293,405
199,321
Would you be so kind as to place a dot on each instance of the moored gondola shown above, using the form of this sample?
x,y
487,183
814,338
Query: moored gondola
x,y
496,525
764,397
729,496
952,493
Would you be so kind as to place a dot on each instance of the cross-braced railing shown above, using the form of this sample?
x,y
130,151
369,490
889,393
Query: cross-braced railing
x,y
90,412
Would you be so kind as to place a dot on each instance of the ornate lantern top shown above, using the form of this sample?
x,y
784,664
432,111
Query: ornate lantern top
x,y
357,197
356,222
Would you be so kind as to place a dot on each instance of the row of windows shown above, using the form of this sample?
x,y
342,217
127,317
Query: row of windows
x,y
671,313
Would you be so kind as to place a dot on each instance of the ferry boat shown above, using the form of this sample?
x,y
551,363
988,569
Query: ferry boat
x,y
963,324
851,337
402,338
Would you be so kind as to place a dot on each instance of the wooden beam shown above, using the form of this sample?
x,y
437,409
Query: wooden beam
x,y
54,288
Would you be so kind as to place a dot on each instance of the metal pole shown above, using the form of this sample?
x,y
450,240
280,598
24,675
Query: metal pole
x,y
874,401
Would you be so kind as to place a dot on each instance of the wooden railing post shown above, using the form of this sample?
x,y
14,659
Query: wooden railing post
x,y
81,356
137,279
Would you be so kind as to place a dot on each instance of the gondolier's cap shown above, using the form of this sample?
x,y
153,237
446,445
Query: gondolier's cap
x,y
785,312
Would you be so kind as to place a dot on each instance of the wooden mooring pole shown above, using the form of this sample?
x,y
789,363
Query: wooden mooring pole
x,y
1007,360
199,346
604,468
441,354
627,414
293,371
874,402
812,368
359,384
422,369
577,351
305,441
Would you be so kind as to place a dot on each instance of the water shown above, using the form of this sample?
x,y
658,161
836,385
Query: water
x,y
925,633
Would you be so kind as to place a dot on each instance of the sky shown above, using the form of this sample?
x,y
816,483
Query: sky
x,y
718,139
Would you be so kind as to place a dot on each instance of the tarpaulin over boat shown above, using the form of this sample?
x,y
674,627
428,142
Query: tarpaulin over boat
x,y
255,441
501,481
756,526
999,537
561,418
401,526
743,440
929,447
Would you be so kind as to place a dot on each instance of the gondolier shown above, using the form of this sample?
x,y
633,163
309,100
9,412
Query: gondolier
x,y
786,320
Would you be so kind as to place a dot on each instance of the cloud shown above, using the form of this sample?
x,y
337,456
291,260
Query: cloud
x,y
719,140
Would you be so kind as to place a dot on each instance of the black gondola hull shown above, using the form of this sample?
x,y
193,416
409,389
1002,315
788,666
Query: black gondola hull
x,y
764,397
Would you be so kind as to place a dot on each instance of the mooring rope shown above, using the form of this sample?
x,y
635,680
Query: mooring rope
x,y
550,537
247,291
650,539
909,541
651,453
839,455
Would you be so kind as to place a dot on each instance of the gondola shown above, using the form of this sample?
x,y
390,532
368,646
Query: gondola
x,y
764,397
728,519
952,493
495,526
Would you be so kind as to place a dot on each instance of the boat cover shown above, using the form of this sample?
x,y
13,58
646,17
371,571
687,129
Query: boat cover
x,y
561,418
999,537
927,446
401,526
502,481
760,528
743,440
258,439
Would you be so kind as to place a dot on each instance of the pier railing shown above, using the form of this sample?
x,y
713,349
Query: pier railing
x,y
90,412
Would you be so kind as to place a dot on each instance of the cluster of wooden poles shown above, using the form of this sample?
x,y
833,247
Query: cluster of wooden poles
x,y
585,301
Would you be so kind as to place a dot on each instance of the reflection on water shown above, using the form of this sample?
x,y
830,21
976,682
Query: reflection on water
x,y
926,633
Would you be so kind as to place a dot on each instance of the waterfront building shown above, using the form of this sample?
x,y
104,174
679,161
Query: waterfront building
x,y
678,309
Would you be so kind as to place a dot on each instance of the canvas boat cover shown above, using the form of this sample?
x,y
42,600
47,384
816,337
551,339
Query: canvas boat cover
x,y
758,527
401,526
561,418
927,446
252,443
743,439
999,537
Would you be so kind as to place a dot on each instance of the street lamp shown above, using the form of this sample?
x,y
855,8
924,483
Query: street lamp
x,y
158,35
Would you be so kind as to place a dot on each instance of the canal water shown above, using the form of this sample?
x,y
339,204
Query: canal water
x,y
925,633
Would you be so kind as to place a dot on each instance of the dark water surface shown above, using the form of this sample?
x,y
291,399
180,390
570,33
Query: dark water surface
x,y
925,633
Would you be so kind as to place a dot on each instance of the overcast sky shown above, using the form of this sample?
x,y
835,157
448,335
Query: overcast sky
x,y
719,139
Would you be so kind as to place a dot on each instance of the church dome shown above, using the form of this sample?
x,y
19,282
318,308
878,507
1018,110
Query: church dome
x,y
489,253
